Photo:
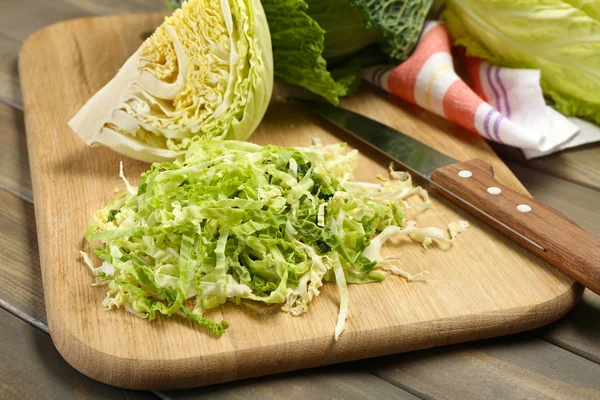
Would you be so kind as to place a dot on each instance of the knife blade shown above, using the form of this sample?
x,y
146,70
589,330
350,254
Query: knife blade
x,y
472,186
411,153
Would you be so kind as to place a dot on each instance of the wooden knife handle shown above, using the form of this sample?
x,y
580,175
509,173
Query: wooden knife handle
x,y
565,245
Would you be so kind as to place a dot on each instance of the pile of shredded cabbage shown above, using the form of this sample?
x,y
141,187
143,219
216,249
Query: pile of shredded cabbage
x,y
236,220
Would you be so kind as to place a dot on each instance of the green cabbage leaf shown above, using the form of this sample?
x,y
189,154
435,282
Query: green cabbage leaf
x,y
298,46
399,22
560,38
322,45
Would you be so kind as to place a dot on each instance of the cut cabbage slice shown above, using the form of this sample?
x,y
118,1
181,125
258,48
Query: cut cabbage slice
x,y
205,73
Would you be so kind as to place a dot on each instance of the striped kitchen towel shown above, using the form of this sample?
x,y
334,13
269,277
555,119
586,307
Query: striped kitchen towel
x,y
505,105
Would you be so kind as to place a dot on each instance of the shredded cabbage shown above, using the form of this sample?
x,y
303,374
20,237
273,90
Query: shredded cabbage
x,y
235,220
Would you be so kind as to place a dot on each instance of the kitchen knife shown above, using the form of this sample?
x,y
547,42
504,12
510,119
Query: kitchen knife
x,y
472,186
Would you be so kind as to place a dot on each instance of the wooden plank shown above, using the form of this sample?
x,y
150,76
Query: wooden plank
x,y
14,163
579,331
20,279
509,368
579,165
579,203
9,80
39,14
107,7
477,291
345,381
31,368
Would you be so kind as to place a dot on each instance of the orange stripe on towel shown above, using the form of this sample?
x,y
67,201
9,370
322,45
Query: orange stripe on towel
x,y
403,78
461,104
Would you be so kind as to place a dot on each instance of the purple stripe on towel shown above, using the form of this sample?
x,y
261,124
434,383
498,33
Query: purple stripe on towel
x,y
504,94
374,76
486,123
497,126
488,74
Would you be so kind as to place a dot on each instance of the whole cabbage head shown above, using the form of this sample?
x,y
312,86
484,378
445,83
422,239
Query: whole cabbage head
x,y
205,73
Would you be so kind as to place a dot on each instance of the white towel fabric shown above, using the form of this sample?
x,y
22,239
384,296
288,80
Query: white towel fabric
x,y
588,133
501,104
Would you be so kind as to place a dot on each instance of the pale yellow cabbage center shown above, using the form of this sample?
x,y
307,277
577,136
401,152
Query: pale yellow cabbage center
x,y
206,72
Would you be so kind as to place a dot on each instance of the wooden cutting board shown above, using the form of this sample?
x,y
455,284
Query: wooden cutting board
x,y
482,287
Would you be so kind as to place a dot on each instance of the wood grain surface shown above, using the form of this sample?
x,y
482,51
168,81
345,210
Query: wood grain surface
x,y
32,369
424,373
536,369
580,164
344,381
20,19
19,260
13,153
9,82
488,286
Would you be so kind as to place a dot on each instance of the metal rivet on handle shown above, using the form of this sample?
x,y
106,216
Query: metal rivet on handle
x,y
494,190
523,208
465,173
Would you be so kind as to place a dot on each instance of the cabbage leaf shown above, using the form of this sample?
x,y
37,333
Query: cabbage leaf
x,y
399,21
561,38
298,46
344,26
322,45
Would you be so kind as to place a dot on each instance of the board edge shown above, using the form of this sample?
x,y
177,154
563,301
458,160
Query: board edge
x,y
143,374
235,365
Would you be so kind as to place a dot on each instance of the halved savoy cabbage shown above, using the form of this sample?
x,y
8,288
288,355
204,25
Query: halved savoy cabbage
x,y
205,73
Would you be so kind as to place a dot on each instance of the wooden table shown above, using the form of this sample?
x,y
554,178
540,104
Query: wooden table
x,y
558,361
